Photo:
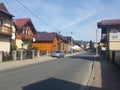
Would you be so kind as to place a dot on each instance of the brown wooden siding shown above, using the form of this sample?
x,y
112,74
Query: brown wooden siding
x,y
5,30
47,46
25,35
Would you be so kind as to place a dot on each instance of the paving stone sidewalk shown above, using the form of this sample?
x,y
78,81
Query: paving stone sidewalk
x,y
106,75
20,63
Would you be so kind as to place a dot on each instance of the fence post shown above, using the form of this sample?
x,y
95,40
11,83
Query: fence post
x,y
1,56
14,55
33,55
38,53
21,54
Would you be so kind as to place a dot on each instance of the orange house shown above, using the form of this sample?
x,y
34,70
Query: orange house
x,y
45,41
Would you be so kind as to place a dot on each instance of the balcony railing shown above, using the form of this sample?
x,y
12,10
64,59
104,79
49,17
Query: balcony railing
x,y
5,30
26,37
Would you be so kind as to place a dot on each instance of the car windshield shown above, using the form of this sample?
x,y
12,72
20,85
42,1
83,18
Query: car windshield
x,y
58,52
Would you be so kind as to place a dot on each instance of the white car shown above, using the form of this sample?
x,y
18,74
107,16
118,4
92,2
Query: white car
x,y
58,54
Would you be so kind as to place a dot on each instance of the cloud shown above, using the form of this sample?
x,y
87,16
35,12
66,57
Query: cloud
x,y
78,20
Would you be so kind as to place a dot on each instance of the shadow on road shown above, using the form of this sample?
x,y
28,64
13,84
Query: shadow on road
x,y
54,84
85,56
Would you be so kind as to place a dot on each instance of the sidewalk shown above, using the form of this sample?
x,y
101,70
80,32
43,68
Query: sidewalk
x,y
106,75
20,63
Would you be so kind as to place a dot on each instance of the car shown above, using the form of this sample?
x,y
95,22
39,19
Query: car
x,y
58,54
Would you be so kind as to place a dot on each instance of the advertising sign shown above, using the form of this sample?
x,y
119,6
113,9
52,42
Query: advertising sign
x,y
114,35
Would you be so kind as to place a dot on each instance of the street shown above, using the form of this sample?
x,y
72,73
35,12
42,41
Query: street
x,y
68,73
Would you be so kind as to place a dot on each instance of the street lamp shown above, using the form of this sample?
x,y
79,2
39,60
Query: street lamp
x,y
71,42
96,42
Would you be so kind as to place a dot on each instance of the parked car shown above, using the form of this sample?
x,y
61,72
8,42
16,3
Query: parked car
x,y
58,54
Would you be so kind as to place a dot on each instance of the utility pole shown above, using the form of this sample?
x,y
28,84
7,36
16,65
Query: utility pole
x,y
96,42
71,43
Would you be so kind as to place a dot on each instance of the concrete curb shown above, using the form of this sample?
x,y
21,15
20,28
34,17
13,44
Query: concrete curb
x,y
20,63
90,76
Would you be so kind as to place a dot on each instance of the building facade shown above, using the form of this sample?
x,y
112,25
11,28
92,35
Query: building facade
x,y
110,37
5,29
25,31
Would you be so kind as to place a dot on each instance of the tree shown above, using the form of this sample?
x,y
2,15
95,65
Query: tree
x,y
29,46
91,45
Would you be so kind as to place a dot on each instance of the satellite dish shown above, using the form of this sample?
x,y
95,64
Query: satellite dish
x,y
13,36
33,39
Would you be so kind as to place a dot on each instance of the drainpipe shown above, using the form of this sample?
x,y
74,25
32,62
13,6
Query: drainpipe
x,y
108,42
113,56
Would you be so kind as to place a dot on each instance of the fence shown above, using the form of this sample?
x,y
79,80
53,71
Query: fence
x,y
21,54
4,56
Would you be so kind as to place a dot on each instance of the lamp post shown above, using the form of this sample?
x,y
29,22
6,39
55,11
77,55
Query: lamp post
x,y
71,42
96,42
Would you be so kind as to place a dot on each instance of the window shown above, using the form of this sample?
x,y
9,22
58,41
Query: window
x,y
26,32
1,20
23,31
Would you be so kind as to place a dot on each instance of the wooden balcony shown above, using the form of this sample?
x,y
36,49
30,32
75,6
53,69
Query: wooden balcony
x,y
26,37
5,30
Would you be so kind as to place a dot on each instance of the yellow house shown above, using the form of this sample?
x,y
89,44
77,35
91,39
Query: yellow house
x,y
63,44
25,31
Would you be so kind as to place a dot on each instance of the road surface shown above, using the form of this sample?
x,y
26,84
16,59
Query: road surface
x,y
68,73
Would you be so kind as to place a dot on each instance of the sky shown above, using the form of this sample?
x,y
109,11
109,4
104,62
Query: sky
x,y
76,18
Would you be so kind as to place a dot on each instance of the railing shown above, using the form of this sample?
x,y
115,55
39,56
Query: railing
x,y
26,37
5,30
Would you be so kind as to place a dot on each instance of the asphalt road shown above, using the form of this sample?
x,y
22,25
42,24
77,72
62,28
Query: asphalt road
x,y
69,73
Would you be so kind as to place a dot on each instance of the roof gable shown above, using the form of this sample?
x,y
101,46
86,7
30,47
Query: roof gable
x,y
108,23
20,23
4,9
45,36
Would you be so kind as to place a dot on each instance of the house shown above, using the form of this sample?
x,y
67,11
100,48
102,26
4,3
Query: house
x,y
45,41
25,31
63,44
110,37
5,28
70,43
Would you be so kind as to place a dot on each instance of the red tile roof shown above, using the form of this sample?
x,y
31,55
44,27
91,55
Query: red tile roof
x,y
109,22
20,23
45,36
4,9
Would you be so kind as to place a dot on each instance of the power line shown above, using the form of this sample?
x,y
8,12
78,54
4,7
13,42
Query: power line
x,y
12,7
35,15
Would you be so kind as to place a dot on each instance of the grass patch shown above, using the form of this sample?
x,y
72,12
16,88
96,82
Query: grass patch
x,y
94,78
11,60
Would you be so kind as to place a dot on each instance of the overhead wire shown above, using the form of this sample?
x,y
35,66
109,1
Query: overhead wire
x,y
36,15
12,8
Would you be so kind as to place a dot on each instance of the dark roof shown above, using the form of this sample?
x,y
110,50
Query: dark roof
x,y
4,9
20,23
113,22
68,38
63,38
45,36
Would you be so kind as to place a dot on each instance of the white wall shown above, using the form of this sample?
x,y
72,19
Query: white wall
x,y
4,44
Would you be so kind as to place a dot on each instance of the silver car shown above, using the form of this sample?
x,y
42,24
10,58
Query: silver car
x,y
58,54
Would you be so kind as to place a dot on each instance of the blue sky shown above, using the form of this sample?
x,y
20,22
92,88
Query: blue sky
x,y
77,16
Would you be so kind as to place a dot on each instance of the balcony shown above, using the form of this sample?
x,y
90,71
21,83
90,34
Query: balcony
x,y
26,37
5,30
